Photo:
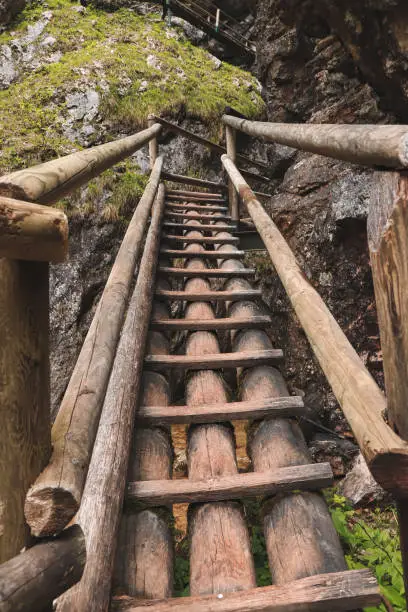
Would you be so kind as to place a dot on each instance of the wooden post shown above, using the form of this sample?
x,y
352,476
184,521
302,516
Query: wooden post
x,y
101,504
217,20
388,245
25,433
153,144
231,138
54,498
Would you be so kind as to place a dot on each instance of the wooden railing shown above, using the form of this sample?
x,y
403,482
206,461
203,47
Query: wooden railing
x,y
383,444
30,231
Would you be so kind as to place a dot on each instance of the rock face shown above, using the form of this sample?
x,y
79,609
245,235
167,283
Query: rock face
x,y
10,8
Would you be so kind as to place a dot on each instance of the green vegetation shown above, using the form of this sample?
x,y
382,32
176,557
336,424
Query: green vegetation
x,y
135,63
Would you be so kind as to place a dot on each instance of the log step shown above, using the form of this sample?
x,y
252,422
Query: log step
x,y
227,323
336,592
216,361
312,476
207,273
197,217
198,207
279,407
203,239
209,296
202,227
180,254
194,194
193,199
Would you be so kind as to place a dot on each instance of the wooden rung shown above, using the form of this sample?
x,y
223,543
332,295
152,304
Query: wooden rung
x,y
202,239
336,592
209,296
187,180
176,254
226,323
201,228
253,484
176,198
181,207
207,273
198,217
194,194
279,407
216,361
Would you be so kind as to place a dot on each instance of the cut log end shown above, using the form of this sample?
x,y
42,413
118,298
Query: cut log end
x,y
49,510
390,470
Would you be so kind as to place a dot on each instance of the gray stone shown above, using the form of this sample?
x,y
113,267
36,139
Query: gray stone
x,y
350,196
194,34
359,487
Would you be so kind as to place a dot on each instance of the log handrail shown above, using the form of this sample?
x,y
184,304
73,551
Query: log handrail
x,y
362,401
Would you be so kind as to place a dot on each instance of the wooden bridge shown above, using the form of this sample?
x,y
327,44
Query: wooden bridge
x,y
96,489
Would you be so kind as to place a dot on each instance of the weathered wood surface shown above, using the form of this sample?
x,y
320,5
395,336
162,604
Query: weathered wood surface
x,y
172,199
190,180
47,183
203,239
226,323
33,579
32,232
197,216
25,441
54,498
373,145
231,141
210,273
204,228
280,407
359,396
195,194
336,592
164,492
101,504
214,361
220,550
199,207
153,144
210,296
179,254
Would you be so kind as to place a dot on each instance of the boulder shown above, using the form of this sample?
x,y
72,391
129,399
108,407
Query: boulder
x,y
359,487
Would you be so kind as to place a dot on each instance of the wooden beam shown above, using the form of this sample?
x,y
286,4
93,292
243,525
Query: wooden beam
x,y
190,215
337,592
25,440
32,232
281,407
153,144
101,504
202,227
47,183
193,199
172,127
219,361
204,239
33,579
182,207
210,296
190,180
180,254
231,141
372,145
224,324
359,396
210,273
252,484
54,498
194,194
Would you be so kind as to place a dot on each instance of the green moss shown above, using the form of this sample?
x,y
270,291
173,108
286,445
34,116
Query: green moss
x,y
114,53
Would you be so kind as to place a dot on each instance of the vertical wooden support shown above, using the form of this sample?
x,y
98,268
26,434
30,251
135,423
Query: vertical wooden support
x,y
388,244
25,432
153,145
217,20
231,141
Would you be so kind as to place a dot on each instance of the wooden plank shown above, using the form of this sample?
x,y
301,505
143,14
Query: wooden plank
x,y
190,180
186,491
32,232
153,144
180,254
337,592
209,273
280,407
362,401
25,440
47,183
197,217
202,227
199,207
210,296
101,504
231,142
372,145
33,579
55,496
195,194
203,239
193,199
247,359
225,324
